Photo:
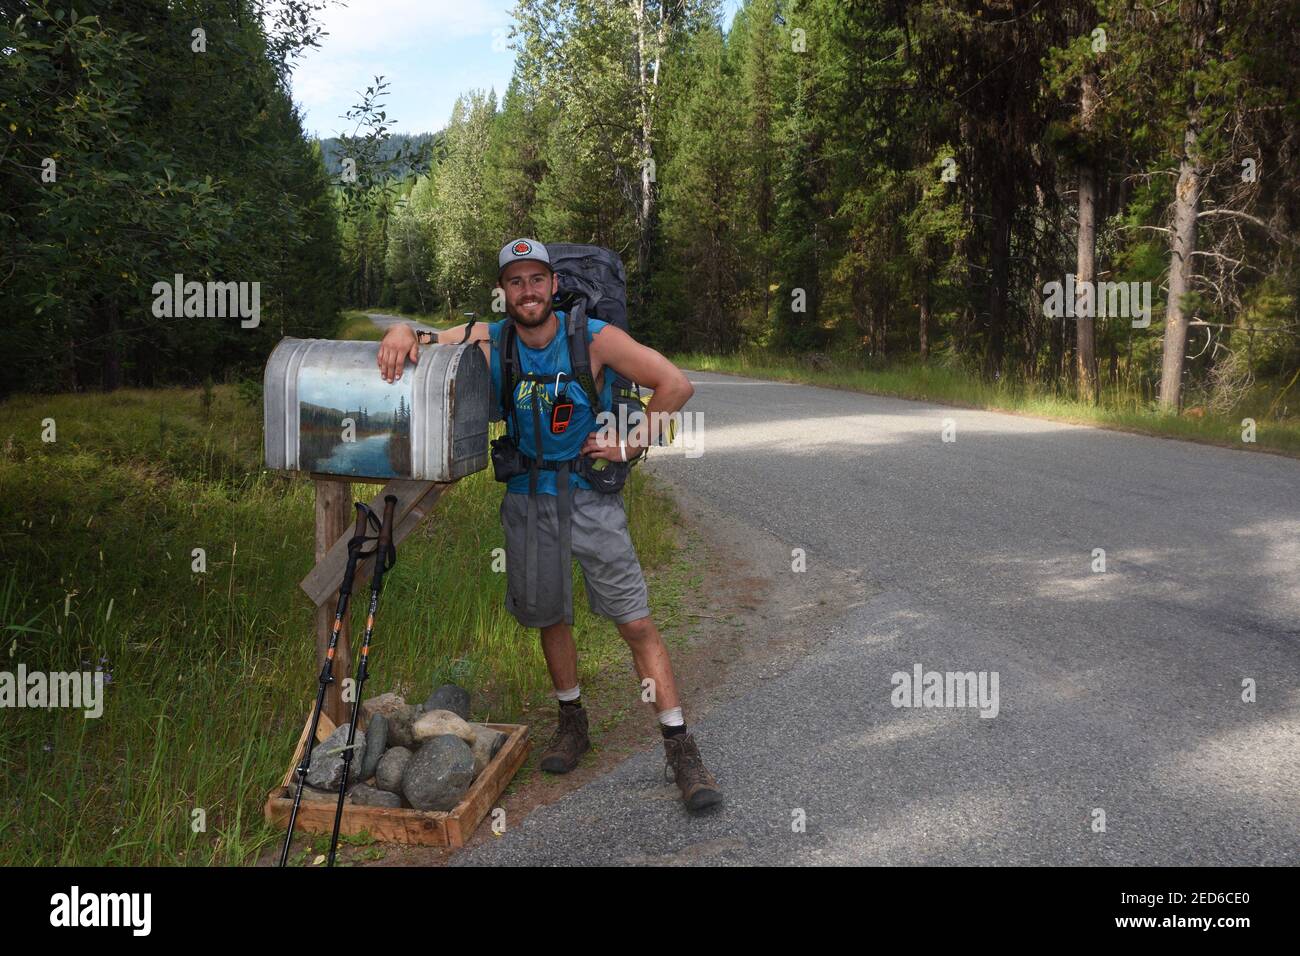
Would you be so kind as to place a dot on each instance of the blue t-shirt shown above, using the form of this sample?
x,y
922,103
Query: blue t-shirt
x,y
548,361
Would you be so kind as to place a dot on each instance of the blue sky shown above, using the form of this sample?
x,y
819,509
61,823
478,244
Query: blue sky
x,y
429,51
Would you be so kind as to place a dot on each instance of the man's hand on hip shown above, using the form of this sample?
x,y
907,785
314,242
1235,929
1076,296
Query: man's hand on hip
x,y
597,446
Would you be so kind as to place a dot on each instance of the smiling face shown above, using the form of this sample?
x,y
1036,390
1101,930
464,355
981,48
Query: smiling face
x,y
529,287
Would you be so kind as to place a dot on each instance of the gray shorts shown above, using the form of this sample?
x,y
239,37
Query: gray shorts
x,y
599,540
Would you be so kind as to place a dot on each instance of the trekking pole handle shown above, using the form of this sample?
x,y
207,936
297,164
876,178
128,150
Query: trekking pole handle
x,y
354,548
360,531
386,529
384,549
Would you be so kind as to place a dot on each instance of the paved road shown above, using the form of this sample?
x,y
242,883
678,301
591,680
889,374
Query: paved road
x,y
1118,692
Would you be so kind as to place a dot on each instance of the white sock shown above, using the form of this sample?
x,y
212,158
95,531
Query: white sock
x,y
672,717
570,694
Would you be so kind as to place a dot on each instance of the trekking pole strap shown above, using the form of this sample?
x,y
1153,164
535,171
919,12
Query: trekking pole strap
x,y
384,546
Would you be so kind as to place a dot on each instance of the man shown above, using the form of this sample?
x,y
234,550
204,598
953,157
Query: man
x,y
542,527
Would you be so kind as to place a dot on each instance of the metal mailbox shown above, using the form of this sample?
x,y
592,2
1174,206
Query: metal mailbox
x,y
327,410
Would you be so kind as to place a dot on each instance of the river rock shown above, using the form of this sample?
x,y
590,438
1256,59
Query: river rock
x,y
439,773
311,793
486,744
327,759
388,773
386,704
449,697
376,741
397,712
381,704
435,723
365,796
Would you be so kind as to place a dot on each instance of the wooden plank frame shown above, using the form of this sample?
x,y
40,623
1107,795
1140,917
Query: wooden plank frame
x,y
451,828
415,499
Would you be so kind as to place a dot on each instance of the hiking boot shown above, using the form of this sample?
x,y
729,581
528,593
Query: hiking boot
x,y
699,789
569,743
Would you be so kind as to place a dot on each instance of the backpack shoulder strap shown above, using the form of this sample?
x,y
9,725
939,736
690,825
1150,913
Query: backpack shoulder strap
x,y
508,356
580,353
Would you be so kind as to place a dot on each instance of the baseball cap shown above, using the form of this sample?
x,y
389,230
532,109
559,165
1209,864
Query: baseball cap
x,y
521,249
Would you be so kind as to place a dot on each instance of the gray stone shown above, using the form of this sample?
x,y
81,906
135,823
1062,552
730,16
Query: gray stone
x,y
486,744
311,793
376,742
327,759
436,723
399,729
438,774
449,697
388,774
397,713
381,704
365,796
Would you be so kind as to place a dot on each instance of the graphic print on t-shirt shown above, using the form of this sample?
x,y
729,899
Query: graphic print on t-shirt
x,y
524,396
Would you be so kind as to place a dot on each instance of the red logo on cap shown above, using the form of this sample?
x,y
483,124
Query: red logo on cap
x,y
521,248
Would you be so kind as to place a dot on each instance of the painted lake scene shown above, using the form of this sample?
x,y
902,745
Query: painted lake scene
x,y
352,422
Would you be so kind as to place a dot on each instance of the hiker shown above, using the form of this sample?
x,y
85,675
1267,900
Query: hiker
x,y
552,510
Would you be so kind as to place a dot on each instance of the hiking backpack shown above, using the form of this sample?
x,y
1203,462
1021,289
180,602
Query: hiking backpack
x,y
593,284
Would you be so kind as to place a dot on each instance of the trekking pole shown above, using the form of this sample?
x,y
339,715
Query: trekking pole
x,y
355,554
385,558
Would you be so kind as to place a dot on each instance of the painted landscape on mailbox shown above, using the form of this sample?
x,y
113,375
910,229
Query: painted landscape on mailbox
x,y
351,422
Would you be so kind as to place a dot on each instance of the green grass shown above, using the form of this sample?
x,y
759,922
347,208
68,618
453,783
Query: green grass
x,y
212,673
948,386
357,325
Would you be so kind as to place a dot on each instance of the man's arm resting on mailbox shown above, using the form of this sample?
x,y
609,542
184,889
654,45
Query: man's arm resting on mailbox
x,y
456,334
401,344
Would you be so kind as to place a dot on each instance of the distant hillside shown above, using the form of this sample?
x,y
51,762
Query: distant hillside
x,y
332,152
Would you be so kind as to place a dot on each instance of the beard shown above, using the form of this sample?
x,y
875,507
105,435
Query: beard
x,y
528,323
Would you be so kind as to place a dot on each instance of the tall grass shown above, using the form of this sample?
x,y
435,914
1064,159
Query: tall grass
x,y
211,673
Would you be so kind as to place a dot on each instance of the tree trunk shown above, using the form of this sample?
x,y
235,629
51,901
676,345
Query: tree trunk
x,y
1187,204
72,382
1003,202
647,87
880,319
1086,269
925,318
112,377
333,511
